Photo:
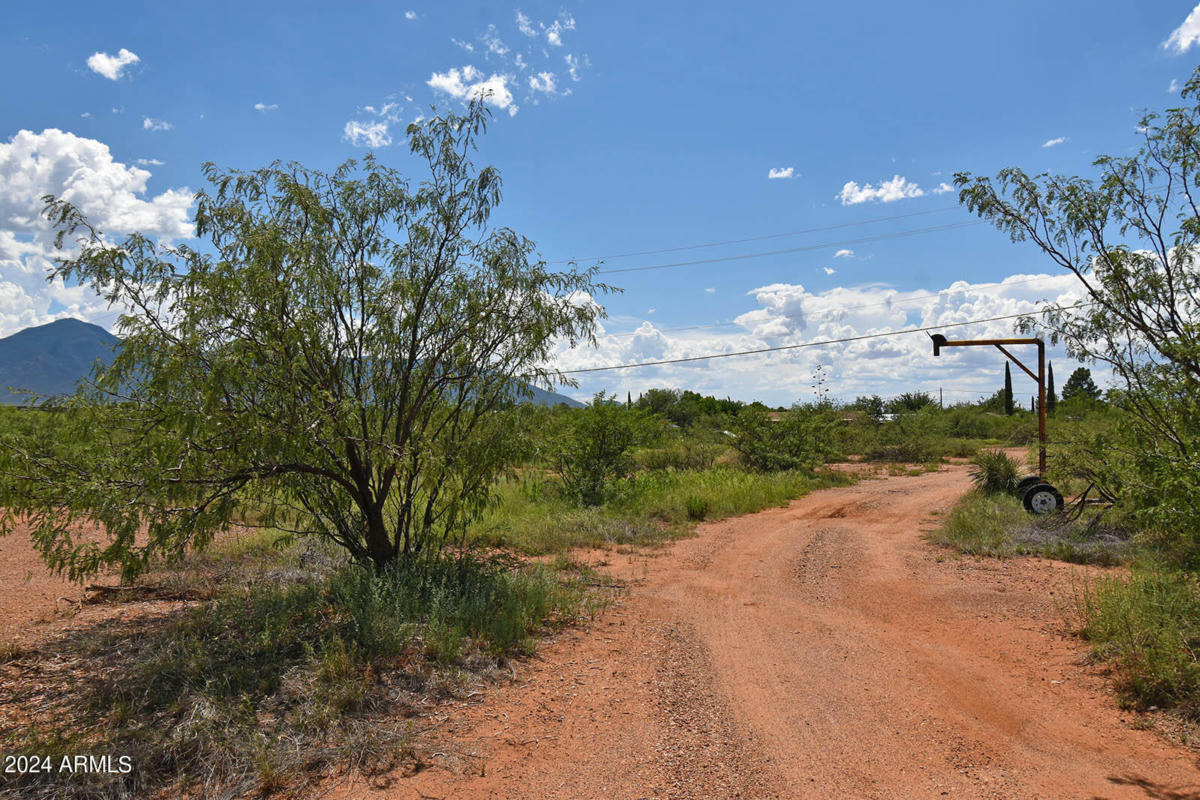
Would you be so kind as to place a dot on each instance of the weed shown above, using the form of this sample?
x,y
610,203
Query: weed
x,y
253,690
996,525
1148,626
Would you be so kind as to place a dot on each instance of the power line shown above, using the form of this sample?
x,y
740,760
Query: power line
x,y
822,246
831,311
804,345
819,229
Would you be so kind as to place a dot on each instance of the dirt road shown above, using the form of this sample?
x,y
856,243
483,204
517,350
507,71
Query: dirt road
x,y
818,651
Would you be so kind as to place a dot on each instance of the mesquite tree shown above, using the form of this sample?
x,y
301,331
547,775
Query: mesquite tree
x,y
334,363
1131,235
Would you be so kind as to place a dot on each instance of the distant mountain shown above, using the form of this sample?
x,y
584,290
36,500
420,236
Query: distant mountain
x,y
544,398
52,359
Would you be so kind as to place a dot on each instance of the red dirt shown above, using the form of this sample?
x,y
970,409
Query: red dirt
x,y
822,650
29,594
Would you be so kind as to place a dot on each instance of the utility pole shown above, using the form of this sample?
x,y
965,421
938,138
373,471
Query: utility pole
x,y
940,398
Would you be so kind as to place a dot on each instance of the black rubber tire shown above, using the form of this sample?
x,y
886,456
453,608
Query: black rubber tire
x,y
1042,498
1026,482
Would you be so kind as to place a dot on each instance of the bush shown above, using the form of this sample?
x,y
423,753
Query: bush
x,y
593,452
801,439
1148,625
915,437
994,472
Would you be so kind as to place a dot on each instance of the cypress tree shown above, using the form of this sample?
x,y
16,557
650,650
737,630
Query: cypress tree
x,y
1051,400
1008,396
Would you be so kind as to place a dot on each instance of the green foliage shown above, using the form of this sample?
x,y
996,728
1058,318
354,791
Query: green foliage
x,y
994,472
333,357
1080,384
871,405
997,525
684,453
801,439
1148,626
909,401
687,408
249,692
654,507
1051,398
914,437
1130,236
1008,390
593,452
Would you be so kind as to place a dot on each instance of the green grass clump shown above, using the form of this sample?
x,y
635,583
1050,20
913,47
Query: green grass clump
x,y
532,517
1148,626
269,682
997,525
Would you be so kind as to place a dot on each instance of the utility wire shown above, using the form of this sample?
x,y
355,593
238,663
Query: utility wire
x,y
822,246
806,344
819,229
829,311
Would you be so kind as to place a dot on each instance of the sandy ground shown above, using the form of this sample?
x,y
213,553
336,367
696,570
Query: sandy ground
x,y
29,594
822,650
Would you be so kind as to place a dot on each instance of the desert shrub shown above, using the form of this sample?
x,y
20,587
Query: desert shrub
x,y
913,437
909,401
994,472
592,451
652,507
1148,626
250,692
801,439
696,506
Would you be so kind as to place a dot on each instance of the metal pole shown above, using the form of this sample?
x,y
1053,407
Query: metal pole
x,y
1041,346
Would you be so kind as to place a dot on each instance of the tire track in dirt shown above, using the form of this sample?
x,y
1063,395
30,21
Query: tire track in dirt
x,y
820,650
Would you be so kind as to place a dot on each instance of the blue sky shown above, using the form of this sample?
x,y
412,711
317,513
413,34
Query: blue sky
x,y
619,128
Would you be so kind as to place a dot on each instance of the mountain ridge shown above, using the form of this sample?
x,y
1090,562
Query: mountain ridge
x,y
51,359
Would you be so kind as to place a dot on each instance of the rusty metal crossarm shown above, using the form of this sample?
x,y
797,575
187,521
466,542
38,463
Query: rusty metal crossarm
x,y
940,341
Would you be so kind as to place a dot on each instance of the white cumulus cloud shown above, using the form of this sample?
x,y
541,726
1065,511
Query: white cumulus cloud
x,y
844,253
789,314
112,195
152,124
829,270
1186,35
265,107
782,172
898,188
112,67
468,83
1055,142
410,15
542,82
942,188
1174,87
367,134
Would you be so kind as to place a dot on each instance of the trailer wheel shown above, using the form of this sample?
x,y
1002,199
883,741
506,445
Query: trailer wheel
x,y
1024,484
1042,498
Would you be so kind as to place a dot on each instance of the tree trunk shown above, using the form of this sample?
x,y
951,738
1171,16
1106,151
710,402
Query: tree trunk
x,y
379,544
